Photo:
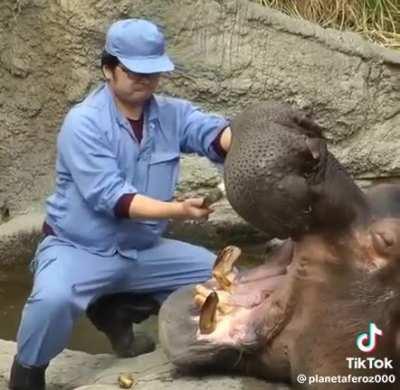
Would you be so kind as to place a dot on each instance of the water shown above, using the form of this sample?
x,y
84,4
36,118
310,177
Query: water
x,y
15,286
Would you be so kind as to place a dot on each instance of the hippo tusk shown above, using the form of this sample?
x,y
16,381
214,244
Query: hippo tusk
x,y
208,318
223,308
201,293
224,264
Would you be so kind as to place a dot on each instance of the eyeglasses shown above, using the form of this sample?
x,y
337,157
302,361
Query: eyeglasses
x,y
136,75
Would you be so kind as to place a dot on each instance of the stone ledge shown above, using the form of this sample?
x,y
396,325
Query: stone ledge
x,y
19,238
223,227
20,235
347,42
82,371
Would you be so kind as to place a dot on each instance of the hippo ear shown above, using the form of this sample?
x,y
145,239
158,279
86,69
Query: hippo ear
x,y
317,148
310,128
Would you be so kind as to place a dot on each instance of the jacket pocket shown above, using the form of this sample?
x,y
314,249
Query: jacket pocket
x,y
162,175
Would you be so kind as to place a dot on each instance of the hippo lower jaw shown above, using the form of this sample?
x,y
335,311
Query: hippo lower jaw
x,y
241,313
241,328
246,312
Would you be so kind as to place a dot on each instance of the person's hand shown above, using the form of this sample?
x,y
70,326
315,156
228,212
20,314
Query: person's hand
x,y
195,208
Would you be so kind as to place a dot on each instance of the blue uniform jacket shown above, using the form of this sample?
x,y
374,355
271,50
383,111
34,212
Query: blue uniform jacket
x,y
99,160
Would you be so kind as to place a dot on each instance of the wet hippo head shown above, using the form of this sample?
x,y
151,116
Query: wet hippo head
x,y
280,177
300,313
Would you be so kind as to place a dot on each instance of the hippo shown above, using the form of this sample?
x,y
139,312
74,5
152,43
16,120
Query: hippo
x,y
325,306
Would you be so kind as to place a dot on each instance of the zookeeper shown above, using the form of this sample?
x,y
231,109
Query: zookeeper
x,y
117,167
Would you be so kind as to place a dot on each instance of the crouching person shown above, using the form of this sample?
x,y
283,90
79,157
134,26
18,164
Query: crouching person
x,y
117,166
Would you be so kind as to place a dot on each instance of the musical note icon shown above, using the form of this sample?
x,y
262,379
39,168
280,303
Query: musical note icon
x,y
366,342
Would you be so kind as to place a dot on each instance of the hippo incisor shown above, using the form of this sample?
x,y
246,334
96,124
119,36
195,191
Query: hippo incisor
x,y
336,276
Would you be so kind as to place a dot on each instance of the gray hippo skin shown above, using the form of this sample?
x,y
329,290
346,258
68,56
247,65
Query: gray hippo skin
x,y
279,175
302,311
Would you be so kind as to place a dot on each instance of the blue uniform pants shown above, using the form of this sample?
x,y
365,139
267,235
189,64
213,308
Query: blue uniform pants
x,y
68,279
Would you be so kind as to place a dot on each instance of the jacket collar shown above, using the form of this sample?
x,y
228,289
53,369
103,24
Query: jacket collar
x,y
152,107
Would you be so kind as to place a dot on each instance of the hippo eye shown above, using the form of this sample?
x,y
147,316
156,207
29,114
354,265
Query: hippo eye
x,y
308,210
382,242
388,240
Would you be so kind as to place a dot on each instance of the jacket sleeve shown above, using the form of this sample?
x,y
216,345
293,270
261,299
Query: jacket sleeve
x,y
86,155
199,130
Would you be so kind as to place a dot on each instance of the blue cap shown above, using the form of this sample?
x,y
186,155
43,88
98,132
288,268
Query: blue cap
x,y
139,45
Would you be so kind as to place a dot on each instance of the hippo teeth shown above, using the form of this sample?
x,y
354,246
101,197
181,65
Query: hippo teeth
x,y
224,265
208,319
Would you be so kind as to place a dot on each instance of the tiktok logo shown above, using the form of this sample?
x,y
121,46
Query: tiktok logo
x,y
366,342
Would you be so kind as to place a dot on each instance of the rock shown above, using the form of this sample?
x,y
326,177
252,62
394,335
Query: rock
x,y
198,174
19,238
223,227
20,235
81,371
96,387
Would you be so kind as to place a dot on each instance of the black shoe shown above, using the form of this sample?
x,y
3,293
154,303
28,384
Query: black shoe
x,y
114,315
27,378
127,344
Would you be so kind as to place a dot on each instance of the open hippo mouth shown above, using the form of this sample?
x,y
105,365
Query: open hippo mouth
x,y
241,314
233,311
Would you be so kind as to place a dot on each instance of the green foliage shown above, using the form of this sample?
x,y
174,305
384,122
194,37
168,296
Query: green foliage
x,y
378,20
